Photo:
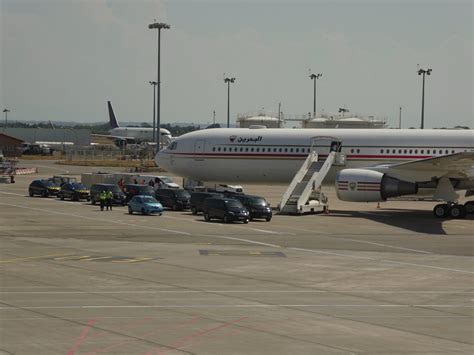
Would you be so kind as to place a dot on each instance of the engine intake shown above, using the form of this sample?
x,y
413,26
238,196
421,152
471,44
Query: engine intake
x,y
363,185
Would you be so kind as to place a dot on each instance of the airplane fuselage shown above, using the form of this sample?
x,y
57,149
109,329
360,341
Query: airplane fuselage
x,y
275,155
139,133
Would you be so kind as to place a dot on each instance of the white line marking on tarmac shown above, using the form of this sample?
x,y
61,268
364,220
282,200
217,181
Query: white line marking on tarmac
x,y
19,308
233,291
240,240
381,260
97,219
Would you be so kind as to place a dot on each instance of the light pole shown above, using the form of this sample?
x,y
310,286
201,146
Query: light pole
x,y
154,84
423,72
315,77
159,26
6,118
343,110
228,81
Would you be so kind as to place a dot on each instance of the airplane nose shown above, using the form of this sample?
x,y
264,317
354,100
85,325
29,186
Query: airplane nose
x,y
161,159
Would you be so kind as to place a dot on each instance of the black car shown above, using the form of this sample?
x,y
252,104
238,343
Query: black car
x,y
197,200
227,209
176,199
74,191
257,206
118,198
131,190
43,188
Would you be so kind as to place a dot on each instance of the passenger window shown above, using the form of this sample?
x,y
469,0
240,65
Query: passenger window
x,y
352,150
399,151
452,152
422,151
219,149
274,150
404,151
291,150
286,150
280,150
440,151
416,151
358,150
241,149
411,151
263,150
297,150
394,151
213,149
224,149
381,151
246,149
251,149
446,151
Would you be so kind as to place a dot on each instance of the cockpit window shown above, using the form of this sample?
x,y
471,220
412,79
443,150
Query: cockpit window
x,y
173,146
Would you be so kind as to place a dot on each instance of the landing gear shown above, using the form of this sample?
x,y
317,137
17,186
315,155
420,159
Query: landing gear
x,y
441,210
469,205
453,210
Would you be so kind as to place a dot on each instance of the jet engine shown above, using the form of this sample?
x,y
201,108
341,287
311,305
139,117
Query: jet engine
x,y
363,185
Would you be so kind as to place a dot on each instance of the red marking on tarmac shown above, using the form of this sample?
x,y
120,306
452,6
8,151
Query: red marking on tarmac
x,y
82,337
183,340
143,337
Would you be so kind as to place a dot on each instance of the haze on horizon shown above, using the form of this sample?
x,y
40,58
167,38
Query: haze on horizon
x,y
62,60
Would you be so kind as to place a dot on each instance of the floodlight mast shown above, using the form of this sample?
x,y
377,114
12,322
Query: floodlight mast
x,y
228,81
315,77
159,26
6,118
423,72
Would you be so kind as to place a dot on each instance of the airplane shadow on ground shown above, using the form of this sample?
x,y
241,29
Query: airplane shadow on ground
x,y
415,220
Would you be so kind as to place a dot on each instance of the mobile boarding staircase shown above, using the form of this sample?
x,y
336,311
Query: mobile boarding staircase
x,y
304,192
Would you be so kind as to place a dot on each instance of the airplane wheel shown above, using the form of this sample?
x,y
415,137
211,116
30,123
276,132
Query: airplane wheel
x,y
469,205
206,217
130,211
441,210
457,211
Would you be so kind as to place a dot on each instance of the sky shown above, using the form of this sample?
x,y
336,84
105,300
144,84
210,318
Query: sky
x,y
62,60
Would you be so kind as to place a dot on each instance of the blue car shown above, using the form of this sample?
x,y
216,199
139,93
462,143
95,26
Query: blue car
x,y
145,205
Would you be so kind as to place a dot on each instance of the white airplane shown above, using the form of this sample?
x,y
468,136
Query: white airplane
x,y
380,164
132,135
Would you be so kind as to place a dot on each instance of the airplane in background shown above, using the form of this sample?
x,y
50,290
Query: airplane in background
x,y
379,164
132,135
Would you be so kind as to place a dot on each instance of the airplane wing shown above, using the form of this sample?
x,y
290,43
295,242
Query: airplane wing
x,y
455,166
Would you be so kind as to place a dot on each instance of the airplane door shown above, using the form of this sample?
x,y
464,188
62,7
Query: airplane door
x,y
199,146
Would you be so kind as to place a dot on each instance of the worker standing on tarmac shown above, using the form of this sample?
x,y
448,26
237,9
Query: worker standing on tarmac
x,y
102,198
109,198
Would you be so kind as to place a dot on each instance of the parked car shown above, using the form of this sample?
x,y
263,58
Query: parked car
x,y
176,199
227,209
43,188
144,204
197,200
74,191
119,198
257,206
131,190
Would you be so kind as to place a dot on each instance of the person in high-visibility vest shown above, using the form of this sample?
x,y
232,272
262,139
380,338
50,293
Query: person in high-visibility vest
x,y
109,198
102,198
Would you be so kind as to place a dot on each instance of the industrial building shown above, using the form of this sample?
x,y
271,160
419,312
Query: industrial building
x,y
77,137
10,146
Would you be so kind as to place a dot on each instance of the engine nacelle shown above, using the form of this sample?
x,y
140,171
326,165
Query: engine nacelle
x,y
363,185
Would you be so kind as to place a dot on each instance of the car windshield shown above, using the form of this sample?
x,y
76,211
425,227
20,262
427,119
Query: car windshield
x,y
257,201
79,186
234,204
113,188
166,179
149,200
48,183
146,190
182,194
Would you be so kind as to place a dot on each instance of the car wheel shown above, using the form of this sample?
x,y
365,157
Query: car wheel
x,y
268,219
143,211
226,219
206,217
246,221
175,207
31,193
61,197
130,211
45,194
92,201
194,210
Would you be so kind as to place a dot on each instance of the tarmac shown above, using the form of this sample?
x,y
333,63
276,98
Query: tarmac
x,y
359,280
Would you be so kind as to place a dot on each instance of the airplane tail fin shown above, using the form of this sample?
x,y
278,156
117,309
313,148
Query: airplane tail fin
x,y
112,119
